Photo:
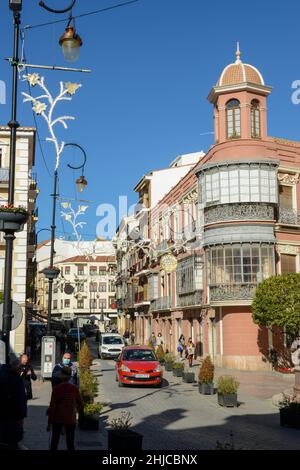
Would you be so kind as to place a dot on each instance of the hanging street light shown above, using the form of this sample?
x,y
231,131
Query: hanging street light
x,y
70,43
81,184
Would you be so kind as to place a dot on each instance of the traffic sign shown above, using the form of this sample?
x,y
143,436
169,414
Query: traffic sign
x,y
17,315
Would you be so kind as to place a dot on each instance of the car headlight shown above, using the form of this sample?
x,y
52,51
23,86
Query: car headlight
x,y
104,347
125,368
157,369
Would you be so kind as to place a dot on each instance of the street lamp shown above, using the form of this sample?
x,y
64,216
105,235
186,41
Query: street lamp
x,y
51,272
70,43
81,182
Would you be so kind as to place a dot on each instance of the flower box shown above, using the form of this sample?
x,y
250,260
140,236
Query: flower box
x,y
168,366
88,422
206,389
12,221
124,439
290,417
227,400
188,377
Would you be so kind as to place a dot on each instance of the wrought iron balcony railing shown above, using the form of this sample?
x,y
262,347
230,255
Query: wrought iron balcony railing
x,y
288,216
223,292
162,303
190,300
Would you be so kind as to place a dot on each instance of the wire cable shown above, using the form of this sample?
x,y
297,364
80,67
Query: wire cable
x,y
82,15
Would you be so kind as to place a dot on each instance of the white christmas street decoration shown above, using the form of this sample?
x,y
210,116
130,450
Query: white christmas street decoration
x,y
40,107
72,217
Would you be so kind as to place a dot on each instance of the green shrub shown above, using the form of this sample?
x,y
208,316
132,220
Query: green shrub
x,y
227,385
91,409
160,353
88,385
178,365
169,358
206,372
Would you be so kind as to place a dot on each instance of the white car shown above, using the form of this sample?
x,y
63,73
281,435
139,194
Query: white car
x,y
110,345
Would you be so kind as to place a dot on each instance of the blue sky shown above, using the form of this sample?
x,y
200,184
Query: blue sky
x,y
154,63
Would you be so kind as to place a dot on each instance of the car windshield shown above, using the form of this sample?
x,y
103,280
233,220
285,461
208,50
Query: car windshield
x,y
139,355
112,340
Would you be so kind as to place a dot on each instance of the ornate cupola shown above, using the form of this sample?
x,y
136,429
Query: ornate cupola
x,y
240,102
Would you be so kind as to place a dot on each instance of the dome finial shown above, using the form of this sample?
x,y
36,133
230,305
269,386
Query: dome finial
x,y
238,53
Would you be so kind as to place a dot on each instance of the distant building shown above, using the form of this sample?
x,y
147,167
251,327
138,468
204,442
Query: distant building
x,y
90,280
26,192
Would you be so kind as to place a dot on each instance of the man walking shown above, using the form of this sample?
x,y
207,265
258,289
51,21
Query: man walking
x,y
65,362
65,401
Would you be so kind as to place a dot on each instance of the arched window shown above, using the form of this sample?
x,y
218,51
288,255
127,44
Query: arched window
x,y
255,119
233,115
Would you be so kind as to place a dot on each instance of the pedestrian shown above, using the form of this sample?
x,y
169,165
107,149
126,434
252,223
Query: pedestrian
x,y
295,350
65,401
153,340
132,337
27,374
126,337
181,345
190,350
159,340
13,408
65,362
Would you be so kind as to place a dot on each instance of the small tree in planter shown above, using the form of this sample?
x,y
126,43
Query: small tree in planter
x,y
169,360
120,437
289,410
188,376
85,356
160,354
88,385
178,368
227,391
89,419
206,377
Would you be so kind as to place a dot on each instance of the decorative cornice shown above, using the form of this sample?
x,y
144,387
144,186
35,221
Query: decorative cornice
x,y
288,249
289,178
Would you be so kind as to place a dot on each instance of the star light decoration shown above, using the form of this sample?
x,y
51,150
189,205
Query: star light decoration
x,y
47,102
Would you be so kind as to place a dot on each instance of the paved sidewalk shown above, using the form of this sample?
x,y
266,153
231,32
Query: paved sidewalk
x,y
37,438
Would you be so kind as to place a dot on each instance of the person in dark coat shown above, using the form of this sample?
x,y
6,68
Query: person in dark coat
x,y
27,374
66,362
13,408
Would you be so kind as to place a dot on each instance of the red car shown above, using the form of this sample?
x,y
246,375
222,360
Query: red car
x,y
138,365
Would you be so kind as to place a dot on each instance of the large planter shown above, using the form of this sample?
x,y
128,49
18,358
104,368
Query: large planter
x,y
290,418
168,366
227,400
206,389
124,440
178,372
12,221
88,422
189,377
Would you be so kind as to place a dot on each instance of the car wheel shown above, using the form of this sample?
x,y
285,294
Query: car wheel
x,y
159,385
99,357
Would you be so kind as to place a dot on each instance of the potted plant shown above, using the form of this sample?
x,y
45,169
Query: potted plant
x,y
120,437
188,376
169,360
88,385
85,356
227,391
160,354
206,377
12,219
89,417
178,368
289,410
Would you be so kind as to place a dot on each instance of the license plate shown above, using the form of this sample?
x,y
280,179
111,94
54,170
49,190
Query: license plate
x,y
142,376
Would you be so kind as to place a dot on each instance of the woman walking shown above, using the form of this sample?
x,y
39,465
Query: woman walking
x,y
27,374
190,349
181,345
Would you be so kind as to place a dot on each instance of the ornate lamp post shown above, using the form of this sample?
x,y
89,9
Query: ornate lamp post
x,y
16,7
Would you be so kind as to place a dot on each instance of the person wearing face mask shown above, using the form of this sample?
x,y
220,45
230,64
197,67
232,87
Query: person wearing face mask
x,y
65,362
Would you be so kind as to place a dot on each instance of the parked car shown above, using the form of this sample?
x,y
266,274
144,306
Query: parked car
x,y
138,365
89,329
110,345
72,338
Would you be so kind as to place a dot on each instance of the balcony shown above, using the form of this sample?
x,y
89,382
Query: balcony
x,y
190,300
225,292
4,175
162,303
288,216
238,211
141,298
